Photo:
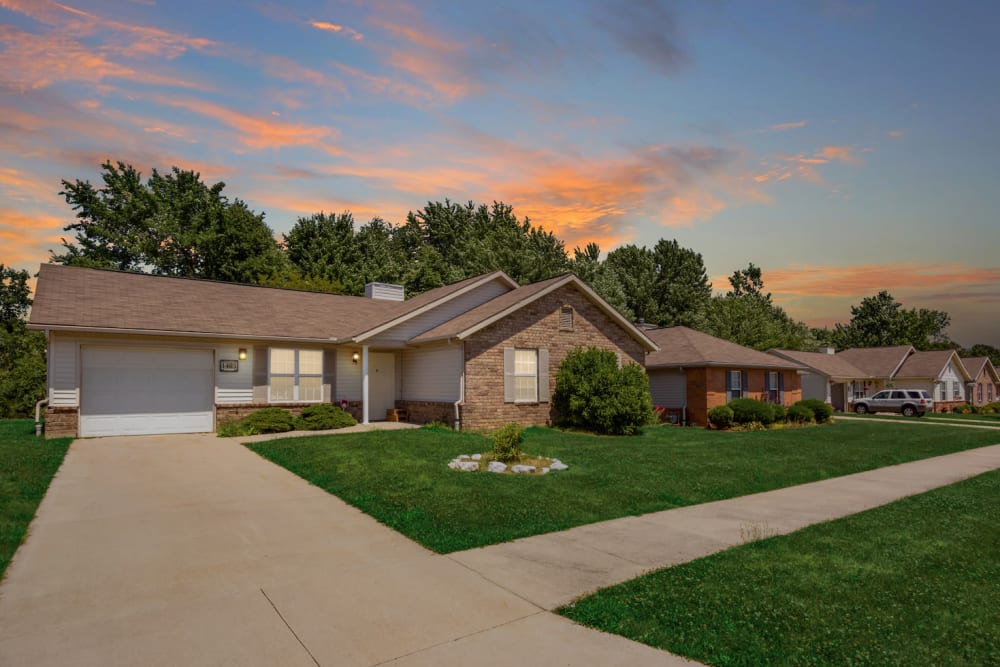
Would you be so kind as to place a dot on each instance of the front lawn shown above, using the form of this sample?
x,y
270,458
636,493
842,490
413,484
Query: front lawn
x,y
401,478
915,582
27,465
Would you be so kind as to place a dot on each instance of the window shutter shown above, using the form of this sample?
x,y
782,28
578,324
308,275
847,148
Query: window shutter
x,y
543,375
745,387
508,375
781,388
259,374
329,375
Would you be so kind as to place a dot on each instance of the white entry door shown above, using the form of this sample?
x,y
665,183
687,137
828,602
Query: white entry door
x,y
142,391
381,384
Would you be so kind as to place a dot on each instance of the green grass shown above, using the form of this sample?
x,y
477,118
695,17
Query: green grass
x,y
916,582
27,465
951,415
972,420
401,478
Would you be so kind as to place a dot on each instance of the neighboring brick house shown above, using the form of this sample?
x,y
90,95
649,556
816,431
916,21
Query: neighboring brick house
x,y
135,354
693,372
939,372
984,385
828,377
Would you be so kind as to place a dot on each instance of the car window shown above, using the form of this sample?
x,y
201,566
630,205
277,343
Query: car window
x,y
898,394
881,394
917,394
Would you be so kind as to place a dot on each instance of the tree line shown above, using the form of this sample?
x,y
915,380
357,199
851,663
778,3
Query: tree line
x,y
174,224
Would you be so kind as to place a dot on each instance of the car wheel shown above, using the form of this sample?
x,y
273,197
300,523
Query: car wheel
x,y
861,409
909,411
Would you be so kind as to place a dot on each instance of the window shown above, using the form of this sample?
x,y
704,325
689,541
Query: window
x,y
956,391
860,390
989,392
734,385
566,318
296,376
525,376
881,395
979,392
942,392
773,388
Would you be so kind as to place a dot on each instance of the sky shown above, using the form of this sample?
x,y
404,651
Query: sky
x,y
845,147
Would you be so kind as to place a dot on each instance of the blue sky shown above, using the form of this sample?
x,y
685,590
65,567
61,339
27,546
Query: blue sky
x,y
844,147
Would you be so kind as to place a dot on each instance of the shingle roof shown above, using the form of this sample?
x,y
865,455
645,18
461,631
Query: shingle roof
x,y
829,365
116,300
976,365
878,362
926,364
680,346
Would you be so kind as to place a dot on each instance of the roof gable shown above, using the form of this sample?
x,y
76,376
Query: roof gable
x,y
931,364
878,362
822,363
976,366
681,346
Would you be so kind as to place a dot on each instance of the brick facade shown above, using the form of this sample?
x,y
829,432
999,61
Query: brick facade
x,y
422,412
706,388
534,326
62,422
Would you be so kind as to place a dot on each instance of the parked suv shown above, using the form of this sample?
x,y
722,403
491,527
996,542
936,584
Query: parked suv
x,y
908,402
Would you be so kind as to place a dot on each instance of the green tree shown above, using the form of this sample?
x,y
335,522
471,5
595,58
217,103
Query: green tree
x,y
681,287
601,276
983,350
22,352
635,269
323,246
880,320
172,224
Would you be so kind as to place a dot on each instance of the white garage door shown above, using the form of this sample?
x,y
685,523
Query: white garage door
x,y
141,391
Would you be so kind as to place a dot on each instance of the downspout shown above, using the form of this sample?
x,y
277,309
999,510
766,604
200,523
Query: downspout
x,y
38,419
461,392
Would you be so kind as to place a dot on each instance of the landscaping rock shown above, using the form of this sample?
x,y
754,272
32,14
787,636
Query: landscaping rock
x,y
496,466
543,470
522,468
558,465
476,457
468,466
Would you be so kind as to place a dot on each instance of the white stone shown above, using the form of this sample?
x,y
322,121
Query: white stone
x,y
543,470
476,457
464,457
468,466
522,468
453,464
558,465
496,466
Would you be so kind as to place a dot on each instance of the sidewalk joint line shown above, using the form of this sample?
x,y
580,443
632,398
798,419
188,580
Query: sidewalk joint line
x,y
290,629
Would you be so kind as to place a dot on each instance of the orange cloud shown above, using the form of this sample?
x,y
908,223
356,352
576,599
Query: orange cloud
x,y
334,27
27,237
870,278
383,85
844,154
287,69
788,126
895,134
261,133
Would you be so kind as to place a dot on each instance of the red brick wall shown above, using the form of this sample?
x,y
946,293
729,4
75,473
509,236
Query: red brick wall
x,y
534,326
61,422
706,388
422,412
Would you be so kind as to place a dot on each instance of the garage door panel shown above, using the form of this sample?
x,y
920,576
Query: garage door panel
x,y
134,391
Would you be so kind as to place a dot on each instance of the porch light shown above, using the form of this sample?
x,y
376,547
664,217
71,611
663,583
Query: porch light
x,y
242,354
355,357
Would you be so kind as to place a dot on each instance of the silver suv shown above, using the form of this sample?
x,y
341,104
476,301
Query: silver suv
x,y
908,402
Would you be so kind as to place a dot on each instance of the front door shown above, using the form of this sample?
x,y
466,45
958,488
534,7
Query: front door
x,y
381,384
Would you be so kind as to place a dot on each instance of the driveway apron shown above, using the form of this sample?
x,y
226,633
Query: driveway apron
x,y
167,550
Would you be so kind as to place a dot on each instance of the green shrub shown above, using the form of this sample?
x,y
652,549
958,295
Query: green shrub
x,y
507,443
964,409
594,394
822,411
721,416
267,420
801,414
323,417
747,410
779,413
437,425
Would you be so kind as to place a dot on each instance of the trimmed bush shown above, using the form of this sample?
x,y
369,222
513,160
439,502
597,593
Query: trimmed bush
x,y
269,420
748,410
779,412
721,416
507,443
801,414
323,417
594,394
822,411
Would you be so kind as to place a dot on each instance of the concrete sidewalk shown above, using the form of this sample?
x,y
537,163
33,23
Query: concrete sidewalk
x,y
553,569
925,420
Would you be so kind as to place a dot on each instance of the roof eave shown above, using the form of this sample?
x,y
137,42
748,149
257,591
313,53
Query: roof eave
x,y
37,326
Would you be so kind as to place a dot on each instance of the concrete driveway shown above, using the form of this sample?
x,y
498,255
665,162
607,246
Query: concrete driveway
x,y
193,550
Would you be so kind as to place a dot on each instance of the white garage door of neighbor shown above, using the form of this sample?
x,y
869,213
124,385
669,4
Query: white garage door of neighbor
x,y
143,391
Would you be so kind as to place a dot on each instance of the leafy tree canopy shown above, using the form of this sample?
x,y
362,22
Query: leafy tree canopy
x,y
880,320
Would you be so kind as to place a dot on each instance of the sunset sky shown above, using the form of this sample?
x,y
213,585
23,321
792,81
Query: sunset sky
x,y
844,147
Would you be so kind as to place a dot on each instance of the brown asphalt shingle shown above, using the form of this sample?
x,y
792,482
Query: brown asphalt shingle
x,y
680,346
877,362
926,364
830,365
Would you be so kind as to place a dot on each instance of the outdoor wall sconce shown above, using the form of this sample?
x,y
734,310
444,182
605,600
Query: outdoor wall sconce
x,y
355,358
242,354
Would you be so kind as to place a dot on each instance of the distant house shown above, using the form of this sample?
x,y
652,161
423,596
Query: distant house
x,y
862,371
829,377
692,372
132,354
984,386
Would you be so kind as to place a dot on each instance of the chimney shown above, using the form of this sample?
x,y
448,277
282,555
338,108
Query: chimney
x,y
826,350
384,291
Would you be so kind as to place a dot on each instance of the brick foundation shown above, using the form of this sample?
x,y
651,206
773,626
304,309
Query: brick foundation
x,y
232,411
534,326
62,422
422,412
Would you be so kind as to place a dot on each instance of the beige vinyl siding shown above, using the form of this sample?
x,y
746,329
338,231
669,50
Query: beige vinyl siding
x,y
432,373
668,387
815,386
443,313
348,376
63,371
234,387
953,379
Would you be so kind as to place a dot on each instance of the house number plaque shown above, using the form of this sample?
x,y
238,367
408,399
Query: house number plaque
x,y
229,365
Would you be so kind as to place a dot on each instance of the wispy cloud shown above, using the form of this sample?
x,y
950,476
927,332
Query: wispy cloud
x,y
647,29
868,279
845,154
337,28
780,127
896,134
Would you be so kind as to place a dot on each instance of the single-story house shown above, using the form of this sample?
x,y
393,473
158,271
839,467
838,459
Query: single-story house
x,y
828,377
132,353
984,386
940,372
693,372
